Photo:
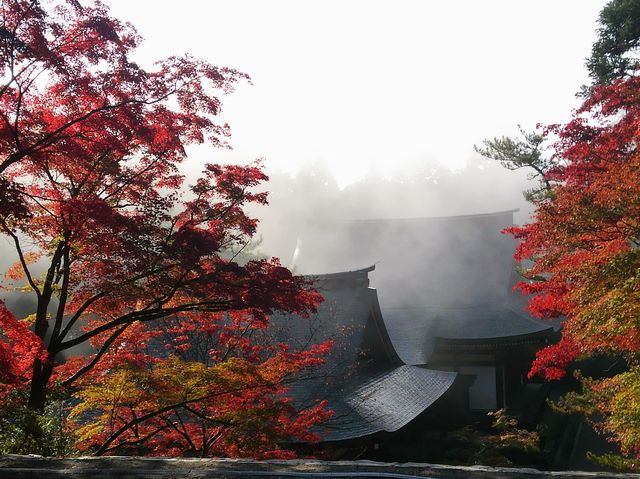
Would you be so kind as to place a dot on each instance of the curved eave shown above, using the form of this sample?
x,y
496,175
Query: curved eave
x,y
358,278
340,274
387,402
381,330
538,337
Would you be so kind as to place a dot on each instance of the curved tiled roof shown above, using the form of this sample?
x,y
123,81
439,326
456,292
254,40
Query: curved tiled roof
x,y
364,381
386,401
444,277
390,400
415,331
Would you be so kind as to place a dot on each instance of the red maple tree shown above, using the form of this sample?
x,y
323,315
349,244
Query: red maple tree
x,y
584,247
120,256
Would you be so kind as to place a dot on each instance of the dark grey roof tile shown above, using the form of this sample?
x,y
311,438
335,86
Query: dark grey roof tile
x,y
390,400
363,380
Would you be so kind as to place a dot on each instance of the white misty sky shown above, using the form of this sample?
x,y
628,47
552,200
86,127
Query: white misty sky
x,y
376,87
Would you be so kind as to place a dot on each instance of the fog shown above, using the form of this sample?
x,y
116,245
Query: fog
x,y
386,98
373,86
309,213
409,225
442,264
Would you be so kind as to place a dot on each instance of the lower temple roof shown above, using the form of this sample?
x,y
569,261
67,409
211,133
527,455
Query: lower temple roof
x,y
367,386
415,331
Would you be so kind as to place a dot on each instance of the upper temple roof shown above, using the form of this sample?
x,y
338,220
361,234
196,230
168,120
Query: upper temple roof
x,y
448,278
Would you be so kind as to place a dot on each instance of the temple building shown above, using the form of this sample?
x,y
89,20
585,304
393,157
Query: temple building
x,y
367,386
441,331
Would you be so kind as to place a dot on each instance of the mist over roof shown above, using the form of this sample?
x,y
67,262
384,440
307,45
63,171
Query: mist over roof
x,y
441,261
441,277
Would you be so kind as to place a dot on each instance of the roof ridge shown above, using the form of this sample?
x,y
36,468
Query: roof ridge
x,y
472,215
339,274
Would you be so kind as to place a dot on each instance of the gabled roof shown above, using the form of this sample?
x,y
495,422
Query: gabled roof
x,y
418,331
439,279
366,384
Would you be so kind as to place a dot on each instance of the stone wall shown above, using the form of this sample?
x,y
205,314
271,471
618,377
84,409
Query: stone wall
x,y
36,467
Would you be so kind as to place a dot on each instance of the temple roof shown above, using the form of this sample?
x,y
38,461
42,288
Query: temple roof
x,y
364,381
417,331
442,278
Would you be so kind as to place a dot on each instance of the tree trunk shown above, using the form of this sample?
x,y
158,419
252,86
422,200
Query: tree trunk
x,y
42,370
38,393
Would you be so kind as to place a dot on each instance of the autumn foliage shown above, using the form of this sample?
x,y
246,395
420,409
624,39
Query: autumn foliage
x,y
126,264
584,246
19,348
